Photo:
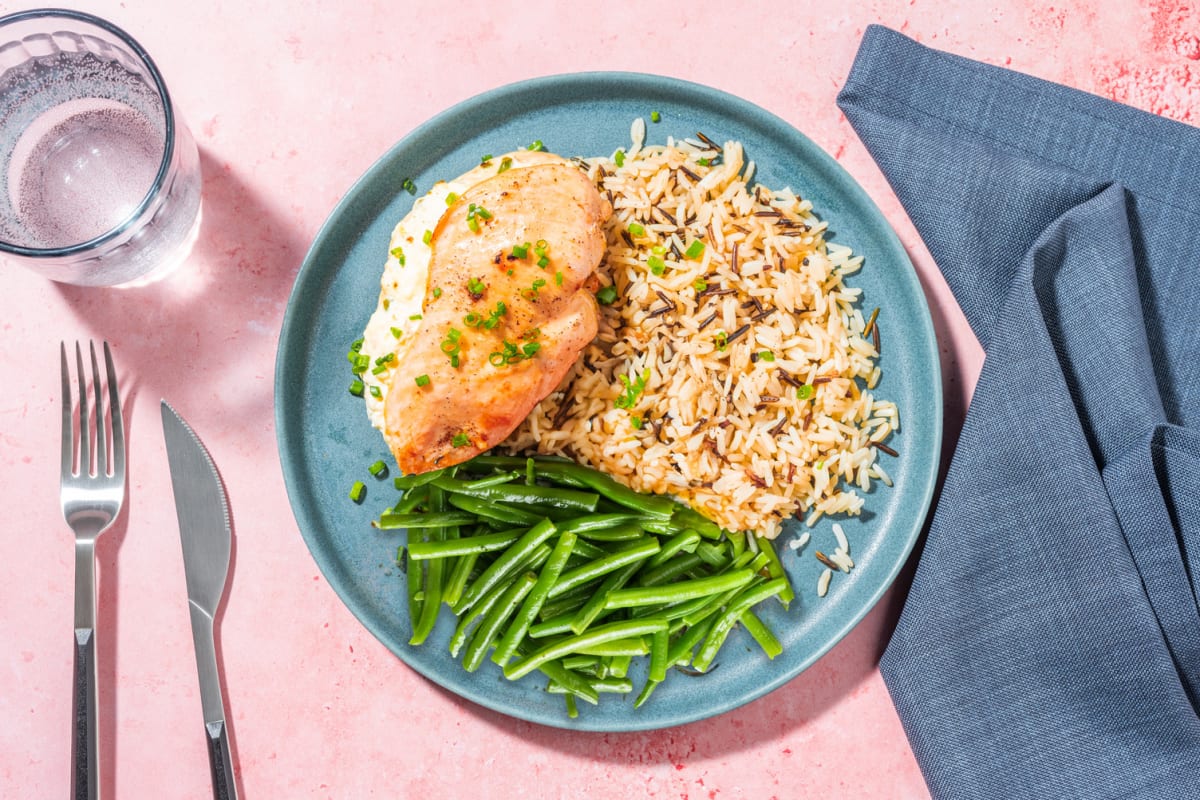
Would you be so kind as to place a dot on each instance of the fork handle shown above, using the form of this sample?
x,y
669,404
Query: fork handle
x,y
85,775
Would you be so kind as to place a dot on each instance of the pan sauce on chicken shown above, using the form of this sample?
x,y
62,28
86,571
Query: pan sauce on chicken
x,y
505,309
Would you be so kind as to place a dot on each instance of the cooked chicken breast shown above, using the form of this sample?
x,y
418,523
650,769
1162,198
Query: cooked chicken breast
x,y
505,312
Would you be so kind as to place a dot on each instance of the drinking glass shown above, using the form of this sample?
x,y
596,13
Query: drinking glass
x,y
99,177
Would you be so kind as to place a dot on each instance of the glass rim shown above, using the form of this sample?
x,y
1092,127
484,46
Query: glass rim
x,y
168,148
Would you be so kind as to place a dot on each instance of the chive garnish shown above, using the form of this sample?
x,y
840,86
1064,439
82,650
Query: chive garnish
x,y
460,440
358,491
607,295
378,469
695,250
421,380
357,387
805,392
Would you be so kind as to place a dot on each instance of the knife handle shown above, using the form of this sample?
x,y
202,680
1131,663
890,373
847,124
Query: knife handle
x,y
219,759
85,774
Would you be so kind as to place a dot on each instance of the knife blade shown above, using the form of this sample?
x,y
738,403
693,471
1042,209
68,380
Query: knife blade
x,y
207,536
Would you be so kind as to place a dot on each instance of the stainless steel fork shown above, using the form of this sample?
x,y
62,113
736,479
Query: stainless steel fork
x,y
92,492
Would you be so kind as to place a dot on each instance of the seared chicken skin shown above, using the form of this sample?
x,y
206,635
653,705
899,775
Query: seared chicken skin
x,y
498,331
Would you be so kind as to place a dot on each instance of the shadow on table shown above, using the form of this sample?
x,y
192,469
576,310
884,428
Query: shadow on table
x,y
176,333
171,340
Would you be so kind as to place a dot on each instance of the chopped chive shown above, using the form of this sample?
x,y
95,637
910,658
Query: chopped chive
x,y
385,359
398,253
376,392
537,146
422,380
520,250
451,198
358,491
356,345
427,237
659,250
473,224
558,279
695,250
619,158
543,262
704,162
656,264
409,186
766,355
700,284
460,440
414,316
437,292
379,369
607,295
636,422
655,116
722,340
397,332
805,392
505,163
357,387
636,229
476,286
483,160
454,334
378,469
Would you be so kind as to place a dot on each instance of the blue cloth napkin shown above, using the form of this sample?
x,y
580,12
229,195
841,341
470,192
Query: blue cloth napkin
x,y
1050,644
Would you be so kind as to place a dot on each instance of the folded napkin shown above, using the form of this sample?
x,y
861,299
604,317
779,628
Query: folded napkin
x,y
1050,645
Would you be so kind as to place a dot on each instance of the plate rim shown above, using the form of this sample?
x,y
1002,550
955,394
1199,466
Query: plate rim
x,y
291,453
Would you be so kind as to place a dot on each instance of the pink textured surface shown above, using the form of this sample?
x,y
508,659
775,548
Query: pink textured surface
x,y
290,102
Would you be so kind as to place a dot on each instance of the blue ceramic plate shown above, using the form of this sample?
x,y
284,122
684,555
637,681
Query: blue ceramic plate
x,y
326,442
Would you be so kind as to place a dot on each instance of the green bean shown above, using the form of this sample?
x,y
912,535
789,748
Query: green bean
x,y
595,606
411,499
578,475
572,706
406,482
714,555
775,569
660,645
602,685
551,627
571,681
506,564
681,648
431,603
491,597
598,522
685,517
618,665
601,566
618,533
460,574
568,603
680,591
585,549
519,626
634,646
497,512
737,540
644,695
724,623
415,580
579,661
605,633
762,634
714,604
491,480
487,543
505,607
568,499
669,571
441,519
684,542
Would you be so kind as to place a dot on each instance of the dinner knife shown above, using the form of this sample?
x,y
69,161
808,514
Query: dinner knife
x,y
207,535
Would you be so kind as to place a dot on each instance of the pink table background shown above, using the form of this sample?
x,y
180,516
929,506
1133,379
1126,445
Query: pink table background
x,y
290,102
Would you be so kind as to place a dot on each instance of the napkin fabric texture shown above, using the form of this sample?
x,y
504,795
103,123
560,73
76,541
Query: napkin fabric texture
x,y
1050,644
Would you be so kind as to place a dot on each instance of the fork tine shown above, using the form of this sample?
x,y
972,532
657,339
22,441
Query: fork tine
x,y
68,433
118,422
101,428
85,431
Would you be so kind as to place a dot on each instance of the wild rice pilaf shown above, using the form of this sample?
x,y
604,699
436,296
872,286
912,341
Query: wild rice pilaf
x,y
734,368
